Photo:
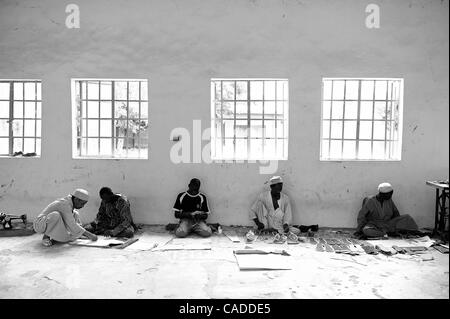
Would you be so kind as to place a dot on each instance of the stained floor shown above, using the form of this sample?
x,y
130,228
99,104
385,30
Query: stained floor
x,y
29,270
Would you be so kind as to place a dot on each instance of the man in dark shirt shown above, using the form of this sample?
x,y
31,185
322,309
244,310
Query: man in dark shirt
x,y
192,209
114,216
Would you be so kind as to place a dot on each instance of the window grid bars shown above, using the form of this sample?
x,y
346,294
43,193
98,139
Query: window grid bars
x,y
12,119
113,137
248,118
390,142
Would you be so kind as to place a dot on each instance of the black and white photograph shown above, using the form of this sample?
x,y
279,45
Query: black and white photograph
x,y
255,151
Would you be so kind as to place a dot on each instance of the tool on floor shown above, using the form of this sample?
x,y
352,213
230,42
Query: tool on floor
x,y
232,235
441,248
6,219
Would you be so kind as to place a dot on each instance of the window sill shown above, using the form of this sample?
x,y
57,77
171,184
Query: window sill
x,y
108,158
15,157
360,160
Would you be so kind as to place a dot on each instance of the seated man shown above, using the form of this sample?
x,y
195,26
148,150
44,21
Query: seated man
x,y
192,209
379,216
60,222
272,209
114,216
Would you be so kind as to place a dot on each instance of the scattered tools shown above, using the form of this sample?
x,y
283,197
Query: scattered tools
x,y
6,220
386,250
441,248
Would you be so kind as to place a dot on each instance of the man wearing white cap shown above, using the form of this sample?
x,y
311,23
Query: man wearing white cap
x,y
60,222
272,209
379,216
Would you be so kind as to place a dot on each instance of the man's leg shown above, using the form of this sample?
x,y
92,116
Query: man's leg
x,y
127,232
56,229
294,230
184,228
373,231
404,223
202,229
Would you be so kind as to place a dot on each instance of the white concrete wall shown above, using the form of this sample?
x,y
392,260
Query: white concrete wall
x,y
179,46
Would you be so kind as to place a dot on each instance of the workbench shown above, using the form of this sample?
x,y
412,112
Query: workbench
x,y
441,208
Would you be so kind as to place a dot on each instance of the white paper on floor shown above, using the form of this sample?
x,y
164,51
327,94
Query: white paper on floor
x,y
263,262
148,241
102,242
191,243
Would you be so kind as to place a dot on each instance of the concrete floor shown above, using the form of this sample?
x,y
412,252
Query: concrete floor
x,y
29,270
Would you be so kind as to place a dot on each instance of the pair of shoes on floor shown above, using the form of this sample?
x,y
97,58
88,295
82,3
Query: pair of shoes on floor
x,y
324,247
280,239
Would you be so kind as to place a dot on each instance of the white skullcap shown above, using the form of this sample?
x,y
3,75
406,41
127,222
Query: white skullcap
x,y
81,194
385,188
275,180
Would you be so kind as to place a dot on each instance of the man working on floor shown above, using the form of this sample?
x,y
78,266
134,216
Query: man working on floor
x,y
192,209
114,216
379,216
60,222
272,209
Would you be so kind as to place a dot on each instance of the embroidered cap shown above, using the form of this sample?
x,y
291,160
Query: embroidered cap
x,y
81,194
275,180
385,188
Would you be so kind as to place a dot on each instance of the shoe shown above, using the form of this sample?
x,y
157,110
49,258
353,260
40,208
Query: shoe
x,y
320,247
328,248
292,238
250,236
279,239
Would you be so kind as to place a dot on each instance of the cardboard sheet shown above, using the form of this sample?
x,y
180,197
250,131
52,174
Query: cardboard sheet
x,y
263,262
231,234
186,244
149,241
102,242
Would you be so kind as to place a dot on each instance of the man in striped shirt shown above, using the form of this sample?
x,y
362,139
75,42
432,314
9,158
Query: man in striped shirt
x,y
191,207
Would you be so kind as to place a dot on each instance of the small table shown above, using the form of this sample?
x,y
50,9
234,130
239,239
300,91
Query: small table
x,y
441,208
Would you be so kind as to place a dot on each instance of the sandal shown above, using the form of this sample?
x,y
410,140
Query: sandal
x,y
292,238
279,239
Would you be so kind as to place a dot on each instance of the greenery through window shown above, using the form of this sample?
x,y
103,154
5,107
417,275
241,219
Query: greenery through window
x,y
111,118
249,119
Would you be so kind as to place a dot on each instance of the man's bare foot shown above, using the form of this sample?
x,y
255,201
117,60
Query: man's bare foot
x,y
46,241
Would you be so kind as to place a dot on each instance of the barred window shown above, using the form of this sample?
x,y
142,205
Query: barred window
x,y
249,119
110,118
361,119
20,118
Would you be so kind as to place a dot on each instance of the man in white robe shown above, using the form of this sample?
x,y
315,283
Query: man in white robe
x,y
272,209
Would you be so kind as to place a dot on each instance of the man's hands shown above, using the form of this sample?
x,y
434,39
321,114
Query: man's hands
x,y
258,224
286,228
109,233
90,235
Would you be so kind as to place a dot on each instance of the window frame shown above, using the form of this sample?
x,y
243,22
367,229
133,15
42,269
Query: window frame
x,y
283,117
75,151
358,120
11,118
